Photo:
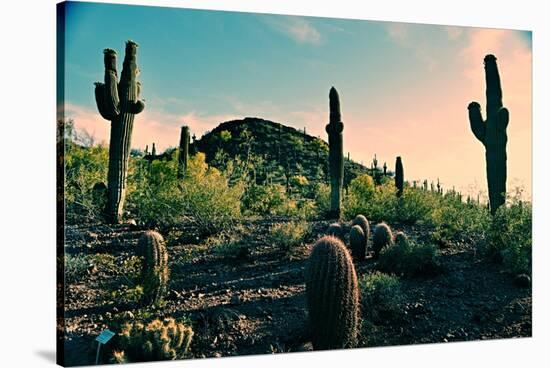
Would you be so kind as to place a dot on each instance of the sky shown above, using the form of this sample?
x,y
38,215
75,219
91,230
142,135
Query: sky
x,y
404,88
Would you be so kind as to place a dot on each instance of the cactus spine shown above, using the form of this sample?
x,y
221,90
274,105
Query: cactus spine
x,y
334,129
118,102
154,272
492,133
358,242
332,295
183,151
399,176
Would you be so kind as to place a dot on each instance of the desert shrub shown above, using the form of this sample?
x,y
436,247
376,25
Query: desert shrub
x,y
288,235
84,167
76,266
409,258
381,296
227,245
155,196
157,340
415,206
322,199
360,193
456,220
264,199
510,237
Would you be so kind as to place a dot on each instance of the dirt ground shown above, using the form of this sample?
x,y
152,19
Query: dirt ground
x,y
255,303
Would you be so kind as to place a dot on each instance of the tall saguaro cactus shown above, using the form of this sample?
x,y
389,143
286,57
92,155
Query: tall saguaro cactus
x,y
334,129
183,151
118,102
492,133
399,176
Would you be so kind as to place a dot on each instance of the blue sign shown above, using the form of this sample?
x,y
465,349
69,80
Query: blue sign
x,y
105,336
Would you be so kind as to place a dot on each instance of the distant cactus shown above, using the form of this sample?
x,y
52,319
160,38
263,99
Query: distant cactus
x,y
118,101
154,274
332,295
334,129
399,176
382,237
158,340
336,230
183,151
492,133
385,167
358,242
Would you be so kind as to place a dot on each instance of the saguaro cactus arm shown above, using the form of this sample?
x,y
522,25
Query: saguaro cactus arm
x,y
476,121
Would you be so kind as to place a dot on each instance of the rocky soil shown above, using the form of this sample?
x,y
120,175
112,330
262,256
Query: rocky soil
x,y
253,301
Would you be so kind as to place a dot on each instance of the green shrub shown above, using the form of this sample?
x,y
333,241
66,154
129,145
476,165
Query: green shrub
x,y
288,235
409,258
381,296
510,237
360,193
264,199
322,199
76,266
455,220
84,167
156,196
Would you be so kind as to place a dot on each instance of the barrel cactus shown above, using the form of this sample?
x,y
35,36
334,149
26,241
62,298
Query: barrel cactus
x,y
154,273
332,295
381,238
492,133
334,129
183,151
336,230
158,340
118,102
401,238
399,176
357,242
362,221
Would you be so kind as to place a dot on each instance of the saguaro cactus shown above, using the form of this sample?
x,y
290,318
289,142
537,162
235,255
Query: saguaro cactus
x,y
183,151
399,176
492,133
332,295
154,272
118,102
334,129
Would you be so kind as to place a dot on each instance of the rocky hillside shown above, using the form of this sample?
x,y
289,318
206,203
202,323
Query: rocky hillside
x,y
280,150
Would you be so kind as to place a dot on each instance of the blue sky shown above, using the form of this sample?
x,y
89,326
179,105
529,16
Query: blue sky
x,y
404,87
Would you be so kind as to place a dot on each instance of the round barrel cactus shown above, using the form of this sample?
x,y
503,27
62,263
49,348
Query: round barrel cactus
x,y
382,237
357,242
332,295
154,273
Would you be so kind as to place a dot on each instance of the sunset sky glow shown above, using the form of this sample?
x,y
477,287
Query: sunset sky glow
x,y
404,88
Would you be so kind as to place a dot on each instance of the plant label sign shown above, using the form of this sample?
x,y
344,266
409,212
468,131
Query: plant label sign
x,y
105,336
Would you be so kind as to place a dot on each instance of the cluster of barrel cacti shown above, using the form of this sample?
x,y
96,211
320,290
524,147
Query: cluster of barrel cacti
x,y
154,273
157,340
